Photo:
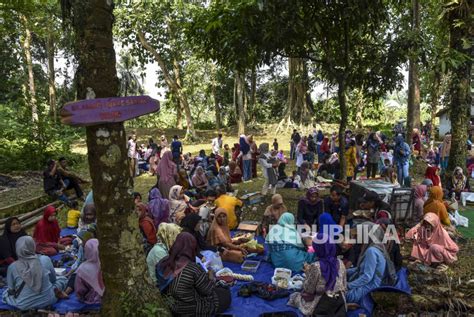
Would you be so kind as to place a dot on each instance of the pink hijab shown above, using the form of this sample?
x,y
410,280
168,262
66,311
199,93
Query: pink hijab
x,y
166,167
90,270
425,239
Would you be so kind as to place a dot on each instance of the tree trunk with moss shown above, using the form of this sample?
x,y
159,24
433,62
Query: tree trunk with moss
x,y
31,76
240,101
299,109
50,50
460,25
341,97
128,288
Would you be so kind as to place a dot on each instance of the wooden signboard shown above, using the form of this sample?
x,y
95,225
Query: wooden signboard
x,y
106,110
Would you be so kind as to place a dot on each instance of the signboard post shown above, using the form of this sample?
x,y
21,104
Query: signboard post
x,y
107,110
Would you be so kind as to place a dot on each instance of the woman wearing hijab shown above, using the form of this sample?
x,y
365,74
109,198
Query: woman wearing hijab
x,y
89,284
192,224
310,208
431,242
445,150
158,207
325,283
224,179
374,266
324,148
273,212
327,225
46,234
188,284
401,155
219,236
167,173
147,228
457,183
235,173
419,201
199,179
431,173
11,233
255,155
351,159
31,280
285,245
305,177
167,233
373,154
301,150
177,203
435,205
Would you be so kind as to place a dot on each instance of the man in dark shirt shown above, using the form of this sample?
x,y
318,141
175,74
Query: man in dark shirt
x,y
371,200
52,183
337,205
70,179
176,149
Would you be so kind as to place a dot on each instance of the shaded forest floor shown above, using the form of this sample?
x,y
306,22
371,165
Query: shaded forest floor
x,y
432,294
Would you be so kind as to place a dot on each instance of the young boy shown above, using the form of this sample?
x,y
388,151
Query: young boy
x,y
275,145
73,215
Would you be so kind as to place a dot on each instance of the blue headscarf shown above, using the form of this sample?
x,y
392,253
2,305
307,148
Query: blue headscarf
x,y
244,146
400,145
327,224
326,253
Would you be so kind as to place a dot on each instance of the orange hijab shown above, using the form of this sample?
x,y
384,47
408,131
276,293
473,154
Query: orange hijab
x,y
218,234
435,205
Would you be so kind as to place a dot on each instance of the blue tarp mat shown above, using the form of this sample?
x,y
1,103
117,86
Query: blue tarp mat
x,y
63,306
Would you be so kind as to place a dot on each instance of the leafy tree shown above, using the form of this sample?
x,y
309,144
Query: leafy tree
x,y
129,75
353,43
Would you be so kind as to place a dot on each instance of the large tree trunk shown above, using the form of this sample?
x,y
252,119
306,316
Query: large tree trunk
x,y
341,97
29,65
240,101
299,108
216,101
435,92
51,76
459,87
413,115
179,114
253,94
128,288
172,84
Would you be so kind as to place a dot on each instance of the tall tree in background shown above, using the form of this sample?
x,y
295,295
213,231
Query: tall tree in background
x,y
29,65
459,15
121,253
239,97
413,115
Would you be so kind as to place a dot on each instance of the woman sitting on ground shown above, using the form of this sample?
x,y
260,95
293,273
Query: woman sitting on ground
x,y
373,265
194,293
89,284
158,207
431,242
457,184
11,233
178,202
432,173
219,236
212,181
31,280
310,208
435,205
224,179
235,173
326,276
305,177
286,246
46,234
419,201
147,228
199,179
192,224
167,233
391,245
273,212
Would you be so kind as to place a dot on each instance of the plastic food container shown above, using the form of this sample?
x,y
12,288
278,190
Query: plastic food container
x,y
250,266
282,278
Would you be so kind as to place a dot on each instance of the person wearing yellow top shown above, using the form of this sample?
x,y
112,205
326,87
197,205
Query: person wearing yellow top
x,y
351,160
228,203
73,215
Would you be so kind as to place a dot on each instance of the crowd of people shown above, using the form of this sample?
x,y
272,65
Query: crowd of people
x,y
192,210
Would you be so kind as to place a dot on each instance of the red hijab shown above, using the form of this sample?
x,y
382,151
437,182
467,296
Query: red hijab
x,y
431,174
45,230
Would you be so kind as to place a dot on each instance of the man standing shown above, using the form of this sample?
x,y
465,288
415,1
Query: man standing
x,y
132,153
217,144
70,179
295,139
176,149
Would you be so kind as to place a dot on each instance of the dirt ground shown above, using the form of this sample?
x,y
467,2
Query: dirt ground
x,y
449,294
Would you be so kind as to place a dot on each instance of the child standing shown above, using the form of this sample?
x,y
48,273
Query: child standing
x,y
73,215
275,145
